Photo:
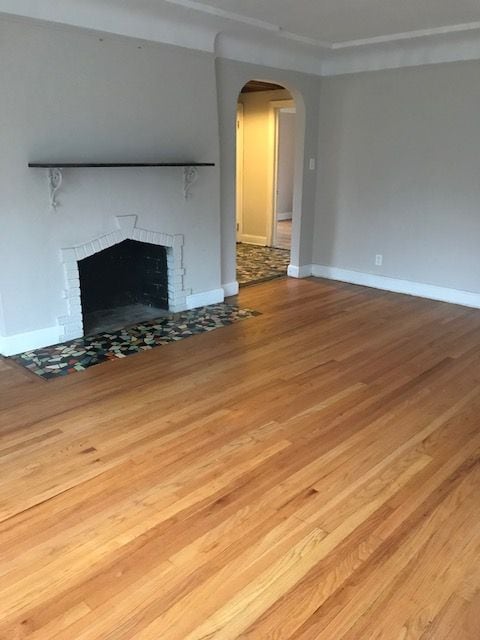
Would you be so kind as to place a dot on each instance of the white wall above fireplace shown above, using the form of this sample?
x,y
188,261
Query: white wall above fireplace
x,y
76,97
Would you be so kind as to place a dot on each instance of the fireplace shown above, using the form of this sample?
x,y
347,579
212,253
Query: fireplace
x,y
122,285
131,271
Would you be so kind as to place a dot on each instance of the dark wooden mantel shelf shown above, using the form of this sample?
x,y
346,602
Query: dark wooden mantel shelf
x,y
104,165
55,175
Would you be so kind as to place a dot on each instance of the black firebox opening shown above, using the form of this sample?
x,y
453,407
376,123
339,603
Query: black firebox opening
x,y
130,274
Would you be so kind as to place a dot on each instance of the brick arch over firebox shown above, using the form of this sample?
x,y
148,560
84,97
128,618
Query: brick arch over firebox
x,y
72,322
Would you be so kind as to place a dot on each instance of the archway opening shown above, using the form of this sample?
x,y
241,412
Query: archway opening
x,y
266,159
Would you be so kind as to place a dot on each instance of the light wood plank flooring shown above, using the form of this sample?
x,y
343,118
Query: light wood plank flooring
x,y
310,474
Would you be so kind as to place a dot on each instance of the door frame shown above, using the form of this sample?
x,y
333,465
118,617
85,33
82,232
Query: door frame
x,y
228,109
275,107
239,171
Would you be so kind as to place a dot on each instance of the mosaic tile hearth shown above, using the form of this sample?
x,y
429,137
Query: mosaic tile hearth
x,y
77,355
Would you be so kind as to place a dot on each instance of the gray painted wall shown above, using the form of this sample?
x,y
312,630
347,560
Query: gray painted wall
x,y
399,174
231,77
398,162
68,96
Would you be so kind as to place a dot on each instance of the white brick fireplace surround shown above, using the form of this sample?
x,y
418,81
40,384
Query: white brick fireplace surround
x,y
70,325
72,322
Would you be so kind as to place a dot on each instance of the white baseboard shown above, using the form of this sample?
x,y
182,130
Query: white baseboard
x,y
230,289
205,298
20,342
418,289
299,272
284,216
262,240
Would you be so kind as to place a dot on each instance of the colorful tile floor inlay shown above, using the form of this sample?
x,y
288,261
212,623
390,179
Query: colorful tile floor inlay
x,y
258,264
77,355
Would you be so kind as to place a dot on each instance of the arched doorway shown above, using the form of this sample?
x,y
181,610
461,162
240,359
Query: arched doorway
x,y
269,168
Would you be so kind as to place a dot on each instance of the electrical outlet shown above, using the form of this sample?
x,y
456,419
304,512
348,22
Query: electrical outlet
x,y
312,164
378,260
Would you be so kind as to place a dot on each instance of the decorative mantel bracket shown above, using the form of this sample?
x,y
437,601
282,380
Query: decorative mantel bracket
x,y
55,179
190,177
55,173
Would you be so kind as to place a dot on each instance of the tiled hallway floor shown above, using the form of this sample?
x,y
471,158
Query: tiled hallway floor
x,y
257,264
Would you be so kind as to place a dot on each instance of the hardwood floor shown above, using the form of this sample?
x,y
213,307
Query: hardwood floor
x,y
310,474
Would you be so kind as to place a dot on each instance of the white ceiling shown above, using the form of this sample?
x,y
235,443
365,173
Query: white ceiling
x,y
342,21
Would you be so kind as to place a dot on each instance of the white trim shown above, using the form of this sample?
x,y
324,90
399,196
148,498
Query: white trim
x,y
72,321
418,289
137,22
284,216
205,298
299,272
251,22
240,166
20,342
231,35
248,239
395,54
230,289
222,13
454,47
121,21
408,35
318,42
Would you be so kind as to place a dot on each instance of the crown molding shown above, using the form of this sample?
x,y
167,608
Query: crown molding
x,y
98,17
407,35
252,22
452,47
316,42
221,13
230,35
425,48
